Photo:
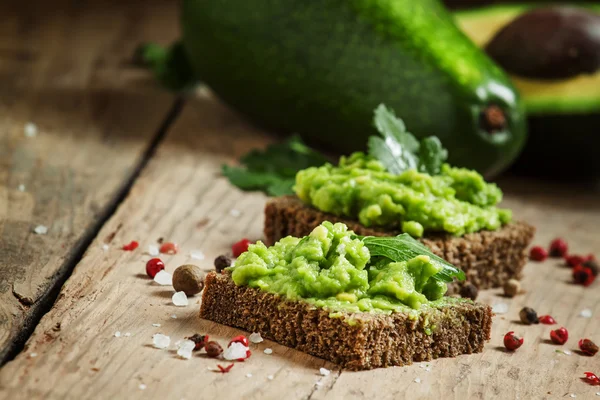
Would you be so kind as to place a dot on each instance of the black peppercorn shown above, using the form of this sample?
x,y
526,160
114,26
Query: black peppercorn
x,y
222,262
469,291
593,266
200,340
528,316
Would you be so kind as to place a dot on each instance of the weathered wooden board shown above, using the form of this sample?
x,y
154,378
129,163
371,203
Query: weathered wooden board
x,y
64,66
180,197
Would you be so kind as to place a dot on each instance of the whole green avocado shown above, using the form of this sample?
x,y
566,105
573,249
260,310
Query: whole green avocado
x,y
319,68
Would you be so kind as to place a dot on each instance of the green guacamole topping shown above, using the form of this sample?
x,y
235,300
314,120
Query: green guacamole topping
x,y
456,201
332,268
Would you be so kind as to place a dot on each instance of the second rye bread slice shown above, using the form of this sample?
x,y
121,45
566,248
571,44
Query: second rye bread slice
x,y
488,258
356,341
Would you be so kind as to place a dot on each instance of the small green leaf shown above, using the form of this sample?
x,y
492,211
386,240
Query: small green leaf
x,y
273,170
403,248
432,155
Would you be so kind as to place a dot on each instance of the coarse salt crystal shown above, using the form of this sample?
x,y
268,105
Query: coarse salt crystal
x,y
180,299
418,380
142,386
428,369
324,371
270,377
235,213
573,395
117,334
268,351
127,334
21,188
163,278
235,351
156,325
105,247
32,355
255,337
185,348
197,255
173,316
318,383
161,341
248,375
41,229
153,250
597,393
586,313
500,308
30,129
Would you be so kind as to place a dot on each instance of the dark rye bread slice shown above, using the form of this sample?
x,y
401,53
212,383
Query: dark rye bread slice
x,y
488,258
371,341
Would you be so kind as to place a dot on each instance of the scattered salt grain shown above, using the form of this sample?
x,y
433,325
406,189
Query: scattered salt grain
x,y
248,375
197,255
142,386
41,229
180,299
31,129
418,380
33,355
268,351
105,247
270,377
161,341
163,278
324,371
117,334
156,325
153,250
500,308
597,393
235,213
21,188
586,313
173,316
428,369
318,383
255,337
235,351
127,334
573,395
185,348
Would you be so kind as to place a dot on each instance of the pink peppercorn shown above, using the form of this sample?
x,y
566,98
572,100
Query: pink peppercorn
x,y
240,247
558,248
153,266
559,336
538,253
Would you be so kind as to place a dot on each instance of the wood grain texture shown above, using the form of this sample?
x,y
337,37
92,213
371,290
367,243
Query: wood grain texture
x,y
180,197
66,70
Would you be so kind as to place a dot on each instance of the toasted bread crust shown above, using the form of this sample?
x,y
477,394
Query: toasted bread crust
x,y
488,258
367,341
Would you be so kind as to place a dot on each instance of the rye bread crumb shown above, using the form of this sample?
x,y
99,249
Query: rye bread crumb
x,y
488,258
372,341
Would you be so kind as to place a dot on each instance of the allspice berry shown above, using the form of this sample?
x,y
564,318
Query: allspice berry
x,y
189,279
222,262
512,288
528,316
213,349
469,291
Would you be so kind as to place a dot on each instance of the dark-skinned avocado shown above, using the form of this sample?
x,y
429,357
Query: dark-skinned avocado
x,y
562,97
320,68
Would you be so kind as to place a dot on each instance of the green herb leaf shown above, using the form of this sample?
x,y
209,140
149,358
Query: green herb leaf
x,y
403,248
274,169
432,155
398,150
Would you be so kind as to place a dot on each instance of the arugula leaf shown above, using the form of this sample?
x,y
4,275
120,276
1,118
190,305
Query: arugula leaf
x,y
432,155
398,150
273,170
403,248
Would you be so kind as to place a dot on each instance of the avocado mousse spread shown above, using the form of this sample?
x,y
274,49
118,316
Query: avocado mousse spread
x,y
334,269
456,200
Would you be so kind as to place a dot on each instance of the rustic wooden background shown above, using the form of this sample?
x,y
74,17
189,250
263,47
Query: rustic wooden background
x,y
117,159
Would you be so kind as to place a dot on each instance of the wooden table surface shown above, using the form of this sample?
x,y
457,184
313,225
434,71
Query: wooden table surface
x,y
117,159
